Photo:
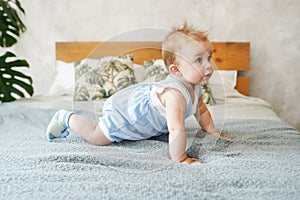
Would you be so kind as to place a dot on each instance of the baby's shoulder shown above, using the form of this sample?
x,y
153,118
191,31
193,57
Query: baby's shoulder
x,y
173,96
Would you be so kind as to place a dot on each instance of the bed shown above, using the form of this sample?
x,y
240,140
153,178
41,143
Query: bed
x,y
261,162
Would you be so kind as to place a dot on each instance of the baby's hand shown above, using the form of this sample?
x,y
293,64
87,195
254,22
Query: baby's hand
x,y
191,161
224,137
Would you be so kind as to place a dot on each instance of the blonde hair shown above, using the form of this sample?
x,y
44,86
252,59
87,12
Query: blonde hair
x,y
177,38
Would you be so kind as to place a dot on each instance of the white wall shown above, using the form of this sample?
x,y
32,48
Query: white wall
x,y
272,27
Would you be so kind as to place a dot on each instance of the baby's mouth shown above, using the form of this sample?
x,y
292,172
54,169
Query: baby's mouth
x,y
208,75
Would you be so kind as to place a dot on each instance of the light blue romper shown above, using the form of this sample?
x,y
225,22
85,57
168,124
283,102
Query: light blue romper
x,y
131,115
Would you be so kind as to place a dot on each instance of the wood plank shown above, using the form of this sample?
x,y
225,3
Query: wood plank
x,y
231,55
226,55
242,85
75,51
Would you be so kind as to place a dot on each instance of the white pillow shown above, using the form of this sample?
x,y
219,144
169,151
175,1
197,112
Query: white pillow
x,y
139,72
222,83
64,80
226,77
98,78
155,70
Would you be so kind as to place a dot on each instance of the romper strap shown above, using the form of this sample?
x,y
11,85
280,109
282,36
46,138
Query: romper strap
x,y
171,82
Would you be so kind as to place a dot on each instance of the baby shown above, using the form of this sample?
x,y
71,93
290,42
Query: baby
x,y
145,110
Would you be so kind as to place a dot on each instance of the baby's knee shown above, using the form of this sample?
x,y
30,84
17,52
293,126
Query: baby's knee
x,y
99,138
99,143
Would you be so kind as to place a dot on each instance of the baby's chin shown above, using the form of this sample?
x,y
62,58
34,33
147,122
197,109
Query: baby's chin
x,y
203,82
206,78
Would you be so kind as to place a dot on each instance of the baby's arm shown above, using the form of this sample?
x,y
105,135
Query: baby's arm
x,y
204,118
175,108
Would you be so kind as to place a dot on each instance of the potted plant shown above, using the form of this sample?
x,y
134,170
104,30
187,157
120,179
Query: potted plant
x,y
13,83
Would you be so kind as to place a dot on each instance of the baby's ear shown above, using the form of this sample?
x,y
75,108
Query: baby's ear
x,y
174,70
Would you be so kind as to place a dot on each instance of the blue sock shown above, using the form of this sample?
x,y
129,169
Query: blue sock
x,y
59,124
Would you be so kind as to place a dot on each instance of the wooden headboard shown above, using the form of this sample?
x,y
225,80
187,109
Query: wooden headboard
x,y
226,55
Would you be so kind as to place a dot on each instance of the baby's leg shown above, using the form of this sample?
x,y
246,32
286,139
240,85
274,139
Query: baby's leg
x,y
88,129
83,126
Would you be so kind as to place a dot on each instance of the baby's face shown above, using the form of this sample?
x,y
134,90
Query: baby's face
x,y
194,62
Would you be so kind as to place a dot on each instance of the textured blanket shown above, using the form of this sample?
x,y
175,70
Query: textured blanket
x,y
262,162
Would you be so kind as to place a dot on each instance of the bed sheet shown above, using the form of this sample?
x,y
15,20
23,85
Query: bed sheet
x,y
262,161
238,106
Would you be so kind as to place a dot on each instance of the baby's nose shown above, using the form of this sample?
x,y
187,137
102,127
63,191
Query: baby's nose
x,y
208,66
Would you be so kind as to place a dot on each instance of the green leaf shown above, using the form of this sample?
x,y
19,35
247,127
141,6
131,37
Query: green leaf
x,y
100,94
10,24
81,94
11,80
125,81
93,77
207,96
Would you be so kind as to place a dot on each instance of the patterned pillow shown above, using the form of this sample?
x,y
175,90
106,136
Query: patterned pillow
x,y
102,77
155,70
207,96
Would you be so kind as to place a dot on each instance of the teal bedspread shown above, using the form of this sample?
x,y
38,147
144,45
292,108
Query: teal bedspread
x,y
262,162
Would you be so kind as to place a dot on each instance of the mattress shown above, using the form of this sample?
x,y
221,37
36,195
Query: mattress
x,y
261,162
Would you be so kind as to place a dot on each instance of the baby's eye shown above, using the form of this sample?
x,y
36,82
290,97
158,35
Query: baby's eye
x,y
209,58
199,60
